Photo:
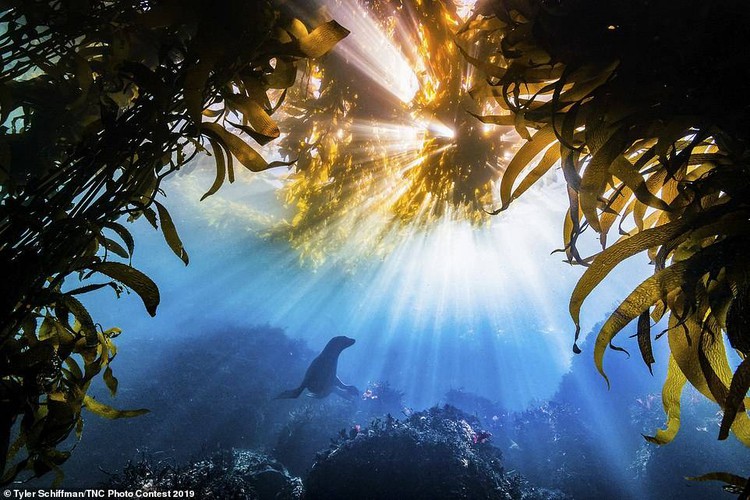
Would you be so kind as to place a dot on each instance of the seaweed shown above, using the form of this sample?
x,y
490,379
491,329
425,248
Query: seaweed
x,y
643,106
100,101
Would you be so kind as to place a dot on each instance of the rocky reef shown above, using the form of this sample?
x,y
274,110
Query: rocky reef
x,y
435,454
237,474
439,453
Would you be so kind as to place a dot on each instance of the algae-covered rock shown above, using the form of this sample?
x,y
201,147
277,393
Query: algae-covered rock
x,y
435,454
236,474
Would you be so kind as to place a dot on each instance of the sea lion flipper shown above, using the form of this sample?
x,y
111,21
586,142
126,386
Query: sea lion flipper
x,y
346,391
291,393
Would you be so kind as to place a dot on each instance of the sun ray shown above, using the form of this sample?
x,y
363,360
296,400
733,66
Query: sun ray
x,y
399,147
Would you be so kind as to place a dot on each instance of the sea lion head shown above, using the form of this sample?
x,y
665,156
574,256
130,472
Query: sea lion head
x,y
339,343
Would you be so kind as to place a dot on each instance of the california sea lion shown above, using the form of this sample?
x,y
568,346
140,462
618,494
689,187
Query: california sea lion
x,y
320,378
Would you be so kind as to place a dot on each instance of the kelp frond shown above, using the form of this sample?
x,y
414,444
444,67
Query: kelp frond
x,y
644,105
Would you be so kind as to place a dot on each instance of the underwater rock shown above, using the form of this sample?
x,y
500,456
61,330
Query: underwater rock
x,y
236,474
381,398
434,454
309,426
308,429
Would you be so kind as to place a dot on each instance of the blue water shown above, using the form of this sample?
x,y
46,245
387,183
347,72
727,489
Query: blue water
x,y
481,312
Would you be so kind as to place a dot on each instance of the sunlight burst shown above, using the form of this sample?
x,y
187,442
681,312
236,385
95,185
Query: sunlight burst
x,y
383,131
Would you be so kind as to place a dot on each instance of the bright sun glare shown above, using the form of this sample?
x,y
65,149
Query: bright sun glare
x,y
383,132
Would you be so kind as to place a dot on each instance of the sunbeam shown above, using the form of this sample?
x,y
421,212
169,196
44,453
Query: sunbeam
x,y
378,57
397,148
455,305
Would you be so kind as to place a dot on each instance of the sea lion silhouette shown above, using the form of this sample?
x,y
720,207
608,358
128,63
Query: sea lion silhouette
x,y
320,378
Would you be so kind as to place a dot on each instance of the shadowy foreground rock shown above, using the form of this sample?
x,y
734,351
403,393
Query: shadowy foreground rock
x,y
237,474
439,453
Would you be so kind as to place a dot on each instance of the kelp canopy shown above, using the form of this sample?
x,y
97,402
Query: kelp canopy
x,y
100,101
382,131
645,105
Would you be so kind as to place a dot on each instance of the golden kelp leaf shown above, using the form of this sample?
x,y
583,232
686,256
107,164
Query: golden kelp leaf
x,y
639,212
74,369
523,157
239,148
51,459
568,231
110,381
640,300
106,411
283,75
726,477
124,234
115,248
737,392
687,345
150,215
196,79
322,39
729,224
83,317
256,116
551,156
595,176
626,172
297,29
133,279
707,339
670,396
47,328
61,415
488,69
609,258
221,168
169,231
644,340
587,79
616,203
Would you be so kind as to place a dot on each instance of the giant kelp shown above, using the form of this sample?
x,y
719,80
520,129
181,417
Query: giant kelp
x,y
392,150
643,105
100,101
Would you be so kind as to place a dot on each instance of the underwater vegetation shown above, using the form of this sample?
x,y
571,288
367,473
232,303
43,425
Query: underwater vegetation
x,y
643,105
381,133
100,102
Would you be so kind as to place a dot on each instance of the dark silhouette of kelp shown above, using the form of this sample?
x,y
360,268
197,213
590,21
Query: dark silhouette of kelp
x,y
103,101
